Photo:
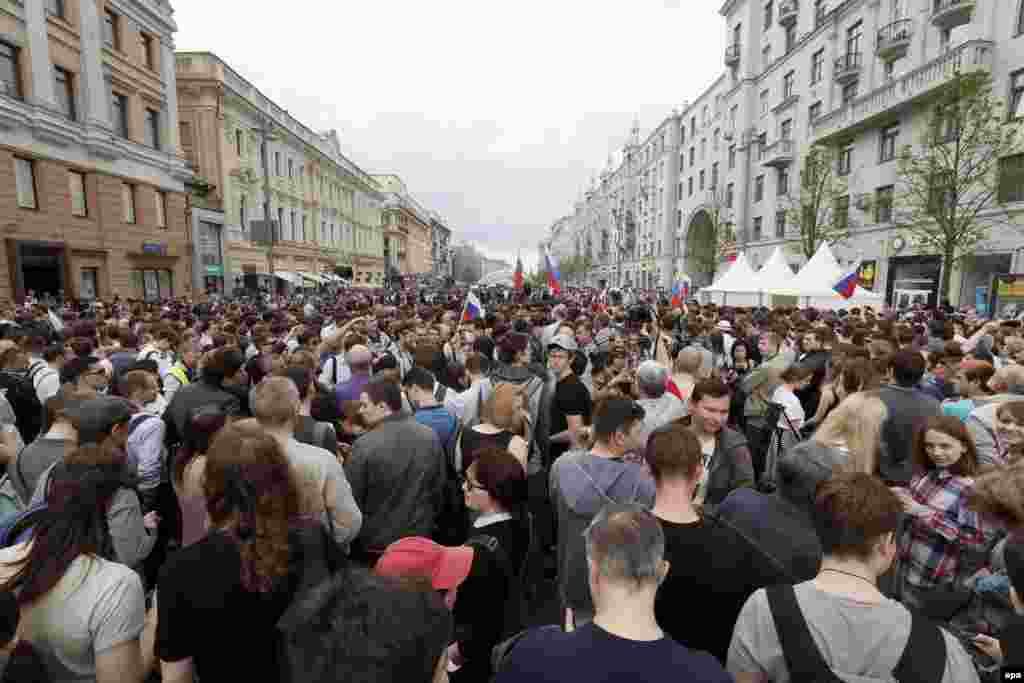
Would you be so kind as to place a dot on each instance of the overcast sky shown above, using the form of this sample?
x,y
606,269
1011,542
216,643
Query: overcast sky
x,y
496,115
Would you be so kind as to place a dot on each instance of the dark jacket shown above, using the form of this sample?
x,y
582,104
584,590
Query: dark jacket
x,y
397,473
908,408
191,397
731,465
817,361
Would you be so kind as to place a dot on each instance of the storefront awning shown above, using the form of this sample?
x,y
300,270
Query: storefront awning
x,y
289,276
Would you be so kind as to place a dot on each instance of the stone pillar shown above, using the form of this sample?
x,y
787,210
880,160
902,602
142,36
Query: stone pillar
x,y
95,96
170,122
39,51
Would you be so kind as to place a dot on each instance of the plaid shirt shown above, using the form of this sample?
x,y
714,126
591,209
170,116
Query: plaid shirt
x,y
948,542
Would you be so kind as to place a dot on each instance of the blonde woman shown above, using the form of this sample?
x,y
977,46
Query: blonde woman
x,y
502,426
852,432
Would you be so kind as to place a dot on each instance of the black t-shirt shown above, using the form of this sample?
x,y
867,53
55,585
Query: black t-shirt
x,y
571,398
205,613
594,655
710,565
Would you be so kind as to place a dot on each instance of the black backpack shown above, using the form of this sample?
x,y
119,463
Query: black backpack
x,y
20,390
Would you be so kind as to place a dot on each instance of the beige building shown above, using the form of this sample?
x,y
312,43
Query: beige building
x,y
408,234
93,200
248,151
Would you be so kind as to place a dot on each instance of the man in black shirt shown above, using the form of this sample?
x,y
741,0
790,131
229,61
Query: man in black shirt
x,y
571,406
706,555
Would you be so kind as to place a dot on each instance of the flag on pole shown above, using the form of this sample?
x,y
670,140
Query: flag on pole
x,y
517,279
677,293
554,277
473,309
848,284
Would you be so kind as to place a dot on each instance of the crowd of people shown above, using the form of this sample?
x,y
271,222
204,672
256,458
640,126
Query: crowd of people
x,y
371,487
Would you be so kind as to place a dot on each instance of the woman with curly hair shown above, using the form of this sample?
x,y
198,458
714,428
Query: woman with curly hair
x,y
238,580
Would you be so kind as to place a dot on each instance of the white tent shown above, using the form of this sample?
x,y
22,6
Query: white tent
x,y
737,286
775,272
813,284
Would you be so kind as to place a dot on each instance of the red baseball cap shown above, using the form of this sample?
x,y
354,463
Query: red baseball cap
x,y
445,566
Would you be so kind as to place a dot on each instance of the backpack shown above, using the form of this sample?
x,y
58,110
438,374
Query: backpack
x,y
317,436
21,394
923,659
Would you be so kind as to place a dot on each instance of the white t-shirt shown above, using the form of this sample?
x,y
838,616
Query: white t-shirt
x,y
791,404
95,606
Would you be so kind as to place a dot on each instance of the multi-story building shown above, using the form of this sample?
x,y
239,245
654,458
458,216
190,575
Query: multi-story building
x,y
95,202
440,243
251,156
854,75
408,245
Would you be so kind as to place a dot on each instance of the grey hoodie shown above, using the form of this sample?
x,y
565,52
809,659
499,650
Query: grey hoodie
x,y
660,411
581,485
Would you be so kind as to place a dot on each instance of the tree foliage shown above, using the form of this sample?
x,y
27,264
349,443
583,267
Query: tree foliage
x,y
819,208
949,196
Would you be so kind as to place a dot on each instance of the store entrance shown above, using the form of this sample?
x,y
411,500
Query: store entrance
x,y
42,269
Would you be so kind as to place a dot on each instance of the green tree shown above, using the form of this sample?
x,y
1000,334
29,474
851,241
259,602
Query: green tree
x,y
819,210
949,195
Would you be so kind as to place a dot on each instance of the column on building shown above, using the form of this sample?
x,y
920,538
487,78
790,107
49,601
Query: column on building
x,y
93,84
170,121
42,69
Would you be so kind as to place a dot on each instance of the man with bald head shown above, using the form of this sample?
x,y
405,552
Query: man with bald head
x,y
358,360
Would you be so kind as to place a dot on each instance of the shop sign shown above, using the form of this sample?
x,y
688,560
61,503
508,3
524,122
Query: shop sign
x,y
1010,285
215,270
154,248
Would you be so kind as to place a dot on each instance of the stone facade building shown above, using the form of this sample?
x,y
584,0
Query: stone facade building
x,y
408,241
327,211
92,174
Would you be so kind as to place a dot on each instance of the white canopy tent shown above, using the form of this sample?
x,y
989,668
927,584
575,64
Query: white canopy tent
x,y
812,286
775,272
737,286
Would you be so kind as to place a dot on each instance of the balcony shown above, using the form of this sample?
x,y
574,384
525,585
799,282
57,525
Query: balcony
x,y
948,14
788,12
732,55
779,154
894,40
911,88
847,68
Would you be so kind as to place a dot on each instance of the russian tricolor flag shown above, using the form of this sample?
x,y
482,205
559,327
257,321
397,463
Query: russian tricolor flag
x,y
473,309
680,292
848,285
554,277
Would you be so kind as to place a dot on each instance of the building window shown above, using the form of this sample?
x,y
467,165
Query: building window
x,y
690,184
239,135
849,93
291,169
161,209
887,149
700,184
693,126
703,149
714,175
293,226
732,157
111,30
814,111
76,189
10,74
303,237
790,38
25,183
883,204
845,160
757,229
758,188
820,11
153,128
769,8
842,212
714,143
64,90
729,192
1011,178
853,36
782,183
1020,20
786,129
780,223
766,56
127,203
762,146
119,114
764,102
1017,95
146,47
817,65
787,85
55,8
278,231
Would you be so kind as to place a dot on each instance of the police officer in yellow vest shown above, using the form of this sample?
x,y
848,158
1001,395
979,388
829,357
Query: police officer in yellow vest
x,y
181,373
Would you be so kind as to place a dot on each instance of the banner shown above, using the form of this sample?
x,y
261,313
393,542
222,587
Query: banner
x,y
866,275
